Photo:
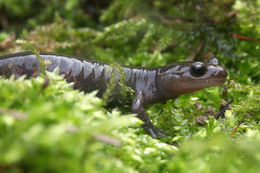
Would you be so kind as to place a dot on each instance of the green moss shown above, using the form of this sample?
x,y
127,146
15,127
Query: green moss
x,y
58,129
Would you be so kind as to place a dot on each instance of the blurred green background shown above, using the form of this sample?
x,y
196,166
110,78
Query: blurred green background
x,y
61,130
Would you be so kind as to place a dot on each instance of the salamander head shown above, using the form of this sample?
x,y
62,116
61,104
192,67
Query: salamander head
x,y
188,77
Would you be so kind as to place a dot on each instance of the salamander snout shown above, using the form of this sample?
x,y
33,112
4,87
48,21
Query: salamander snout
x,y
221,72
215,69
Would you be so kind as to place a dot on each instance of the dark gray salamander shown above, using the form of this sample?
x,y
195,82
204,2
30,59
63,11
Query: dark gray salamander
x,y
150,85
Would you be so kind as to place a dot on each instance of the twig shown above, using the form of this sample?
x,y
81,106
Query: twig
x,y
4,21
16,114
245,38
196,52
6,43
240,122
233,13
224,92
223,109
45,84
107,140
10,167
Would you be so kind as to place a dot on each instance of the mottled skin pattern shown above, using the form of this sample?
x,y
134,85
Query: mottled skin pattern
x,y
150,85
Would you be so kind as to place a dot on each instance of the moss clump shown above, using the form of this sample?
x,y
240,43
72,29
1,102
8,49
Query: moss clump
x,y
46,126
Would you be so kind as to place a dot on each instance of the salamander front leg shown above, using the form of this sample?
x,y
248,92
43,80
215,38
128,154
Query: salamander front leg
x,y
138,108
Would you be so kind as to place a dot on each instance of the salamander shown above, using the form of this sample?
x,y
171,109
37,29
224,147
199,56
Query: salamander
x,y
150,85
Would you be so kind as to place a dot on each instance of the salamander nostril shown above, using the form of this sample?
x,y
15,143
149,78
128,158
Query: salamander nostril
x,y
220,72
224,73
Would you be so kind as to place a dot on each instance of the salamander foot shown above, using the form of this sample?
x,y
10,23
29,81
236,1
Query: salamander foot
x,y
154,131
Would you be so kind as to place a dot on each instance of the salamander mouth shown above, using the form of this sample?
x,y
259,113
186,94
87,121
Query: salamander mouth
x,y
204,83
217,81
193,85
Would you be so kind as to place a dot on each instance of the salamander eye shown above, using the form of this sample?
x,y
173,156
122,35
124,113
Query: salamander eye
x,y
198,69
